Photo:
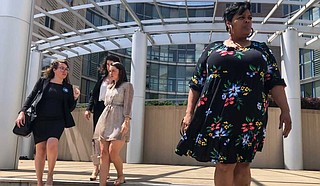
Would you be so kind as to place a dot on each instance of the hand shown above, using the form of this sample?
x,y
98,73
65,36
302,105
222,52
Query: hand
x,y
76,93
20,119
125,127
286,120
87,114
186,122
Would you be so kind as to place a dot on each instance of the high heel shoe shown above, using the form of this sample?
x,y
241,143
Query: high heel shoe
x,y
94,176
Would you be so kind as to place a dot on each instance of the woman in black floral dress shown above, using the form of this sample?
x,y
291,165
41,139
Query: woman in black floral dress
x,y
229,90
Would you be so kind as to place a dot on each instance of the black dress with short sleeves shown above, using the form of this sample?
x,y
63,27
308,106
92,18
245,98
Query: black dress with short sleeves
x,y
230,119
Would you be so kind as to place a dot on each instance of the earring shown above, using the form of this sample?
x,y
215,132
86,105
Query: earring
x,y
252,31
230,28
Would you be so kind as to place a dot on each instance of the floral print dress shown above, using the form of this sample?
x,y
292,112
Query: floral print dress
x,y
229,124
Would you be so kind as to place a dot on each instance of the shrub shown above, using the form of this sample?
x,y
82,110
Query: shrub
x,y
306,103
310,103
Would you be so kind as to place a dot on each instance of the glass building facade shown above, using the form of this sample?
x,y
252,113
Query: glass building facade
x,y
169,68
310,62
310,72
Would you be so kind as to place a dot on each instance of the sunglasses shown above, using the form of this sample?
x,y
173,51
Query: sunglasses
x,y
63,69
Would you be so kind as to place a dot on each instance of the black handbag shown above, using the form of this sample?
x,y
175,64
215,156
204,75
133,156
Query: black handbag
x,y
26,129
30,115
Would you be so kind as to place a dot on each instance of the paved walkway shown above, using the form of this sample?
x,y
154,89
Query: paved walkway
x,y
77,173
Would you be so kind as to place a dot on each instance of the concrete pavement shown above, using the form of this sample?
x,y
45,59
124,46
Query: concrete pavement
x,y
78,173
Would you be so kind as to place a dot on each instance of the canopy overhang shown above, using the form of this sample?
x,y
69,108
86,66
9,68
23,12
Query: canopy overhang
x,y
165,31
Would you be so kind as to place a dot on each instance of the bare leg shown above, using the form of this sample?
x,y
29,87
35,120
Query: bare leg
x,y
95,159
52,155
114,150
95,172
242,175
104,162
40,160
223,175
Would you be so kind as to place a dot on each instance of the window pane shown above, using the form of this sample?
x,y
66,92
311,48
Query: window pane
x,y
189,71
316,62
163,71
307,70
181,86
170,85
172,71
181,72
317,88
306,55
162,84
154,69
308,90
84,94
154,85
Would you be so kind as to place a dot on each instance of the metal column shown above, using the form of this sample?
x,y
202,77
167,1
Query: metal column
x,y
34,71
16,23
292,146
138,79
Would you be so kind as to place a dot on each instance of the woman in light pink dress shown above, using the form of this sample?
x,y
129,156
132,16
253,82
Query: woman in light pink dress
x,y
113,127
96,106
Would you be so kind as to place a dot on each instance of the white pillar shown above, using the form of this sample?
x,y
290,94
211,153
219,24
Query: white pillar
x,y
138,79
34,71
292,145
16,22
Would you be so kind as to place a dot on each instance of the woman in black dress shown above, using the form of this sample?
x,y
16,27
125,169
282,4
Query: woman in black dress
x,y
229,90
54,100
96,105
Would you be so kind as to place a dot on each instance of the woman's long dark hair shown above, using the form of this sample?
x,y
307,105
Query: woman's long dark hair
x,y
122,74
48,72
103,70
235,9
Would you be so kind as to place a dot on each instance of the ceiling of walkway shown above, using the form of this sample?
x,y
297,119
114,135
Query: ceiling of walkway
x,y
166,30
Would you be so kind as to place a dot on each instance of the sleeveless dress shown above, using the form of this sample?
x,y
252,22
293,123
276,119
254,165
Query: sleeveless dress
x,y
229,123
118,102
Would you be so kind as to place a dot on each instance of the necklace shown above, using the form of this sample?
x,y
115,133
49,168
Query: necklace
x,y
238,46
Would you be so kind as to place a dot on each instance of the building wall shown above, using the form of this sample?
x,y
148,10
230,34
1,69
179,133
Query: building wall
x,y
161,135
162,124
311,140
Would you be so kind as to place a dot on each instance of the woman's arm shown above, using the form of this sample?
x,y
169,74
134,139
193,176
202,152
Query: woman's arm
x,y
27,104
193,97
127,102
275,85
89,107
90,103
279,96
37,87
127,108
196,83
73,97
